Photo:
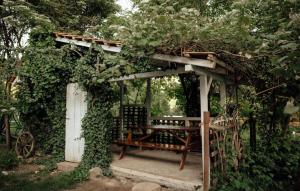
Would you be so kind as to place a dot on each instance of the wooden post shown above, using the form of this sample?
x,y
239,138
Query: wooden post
x,y
204,108
223,95
203,95
121,84
148,101
206,167
186,123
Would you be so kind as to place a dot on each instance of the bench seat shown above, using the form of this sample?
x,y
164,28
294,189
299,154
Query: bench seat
x,y
161,146
144,140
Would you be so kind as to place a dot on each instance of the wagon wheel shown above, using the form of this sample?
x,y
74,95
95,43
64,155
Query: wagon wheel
x,y
25,144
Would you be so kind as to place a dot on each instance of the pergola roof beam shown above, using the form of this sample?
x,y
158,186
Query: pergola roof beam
x,y
113,49
150,74
201,71
185,60
169,58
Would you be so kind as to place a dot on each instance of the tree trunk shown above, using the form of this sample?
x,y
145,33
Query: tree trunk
x,y
6,116
285,124
7,130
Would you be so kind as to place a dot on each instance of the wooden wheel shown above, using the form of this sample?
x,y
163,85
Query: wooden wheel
x,y
25,144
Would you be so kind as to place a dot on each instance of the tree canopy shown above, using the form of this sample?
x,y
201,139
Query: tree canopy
x,y
70,15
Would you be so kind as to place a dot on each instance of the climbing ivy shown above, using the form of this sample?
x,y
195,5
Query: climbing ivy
x,y
42,97
92,72
97,125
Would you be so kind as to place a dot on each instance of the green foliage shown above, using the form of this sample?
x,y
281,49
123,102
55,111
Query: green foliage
x,y
75,15
274,166
36,18
61,181
97,125
155,25
107,28
97,67
8,160
50,163
215,107
42,97
260,39
166,98
160,106
16,19
92,72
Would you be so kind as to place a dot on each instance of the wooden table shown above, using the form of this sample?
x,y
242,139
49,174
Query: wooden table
x,y
143,140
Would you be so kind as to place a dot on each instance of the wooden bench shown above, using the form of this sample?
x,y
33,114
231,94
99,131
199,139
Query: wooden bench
x,y
142,142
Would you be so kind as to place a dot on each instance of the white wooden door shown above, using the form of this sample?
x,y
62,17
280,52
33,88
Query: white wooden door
x,y
76,109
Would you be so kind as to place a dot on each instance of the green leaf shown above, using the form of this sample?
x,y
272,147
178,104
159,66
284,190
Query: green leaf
x,y
290,46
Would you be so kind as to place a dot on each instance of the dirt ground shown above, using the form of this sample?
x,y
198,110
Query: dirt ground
x,y
28,171
109,184
31,171
100,184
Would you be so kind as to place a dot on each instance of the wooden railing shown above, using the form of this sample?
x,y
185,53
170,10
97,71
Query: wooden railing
x,y
163,137
177,121
222,135
167,138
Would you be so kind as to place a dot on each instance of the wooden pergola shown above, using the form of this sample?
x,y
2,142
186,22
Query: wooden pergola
x,y
206,65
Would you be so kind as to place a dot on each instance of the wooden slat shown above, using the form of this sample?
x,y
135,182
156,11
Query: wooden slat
x,y
99,41
88,39
192,53
68,36
177,118
168,128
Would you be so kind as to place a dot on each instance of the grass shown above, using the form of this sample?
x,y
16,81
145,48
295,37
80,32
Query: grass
x,y
46,182
30,181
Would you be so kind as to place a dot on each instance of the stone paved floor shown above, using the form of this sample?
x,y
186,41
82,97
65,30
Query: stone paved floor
x,y
162,163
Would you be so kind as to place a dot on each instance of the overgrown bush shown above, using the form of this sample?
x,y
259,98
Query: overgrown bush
x,y
8,160
274,166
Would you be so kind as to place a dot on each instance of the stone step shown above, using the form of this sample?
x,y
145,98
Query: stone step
x,y
66,166
163,181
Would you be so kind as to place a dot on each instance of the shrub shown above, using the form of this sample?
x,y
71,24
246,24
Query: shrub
x,y
8,160
274,166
